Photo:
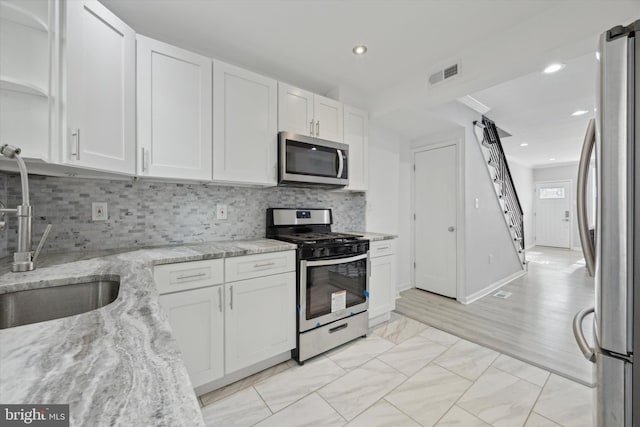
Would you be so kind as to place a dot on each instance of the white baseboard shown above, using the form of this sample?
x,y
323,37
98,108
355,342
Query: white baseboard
x,y
577,248
492,287
529,247
403,287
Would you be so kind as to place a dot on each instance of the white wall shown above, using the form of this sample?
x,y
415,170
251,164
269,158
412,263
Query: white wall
x,y
485,230
563,173
523,179
388,197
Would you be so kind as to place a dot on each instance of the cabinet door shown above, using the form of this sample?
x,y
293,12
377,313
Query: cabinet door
x,y
328,116
196,319
100,51
174,112
245,126
382,285
260,319
356,135
295,110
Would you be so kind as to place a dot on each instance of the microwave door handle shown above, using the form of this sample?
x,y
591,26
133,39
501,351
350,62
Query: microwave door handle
x,y
583,223
340,163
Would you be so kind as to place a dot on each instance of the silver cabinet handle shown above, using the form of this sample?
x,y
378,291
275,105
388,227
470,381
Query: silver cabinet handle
x,y
451,229
311,128
75,133
583,172
587,351
318,128
220,298
191,276
383,248
340,163
266,264
231,297
145,160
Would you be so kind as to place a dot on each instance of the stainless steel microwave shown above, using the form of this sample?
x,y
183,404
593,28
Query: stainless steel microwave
x,y
308,161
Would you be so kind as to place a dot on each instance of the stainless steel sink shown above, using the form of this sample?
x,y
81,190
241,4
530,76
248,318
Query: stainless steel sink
x,y
37,305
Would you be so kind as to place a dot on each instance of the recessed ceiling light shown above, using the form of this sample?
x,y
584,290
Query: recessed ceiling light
x,y
359,49
552,159
579,113
553,68
524,144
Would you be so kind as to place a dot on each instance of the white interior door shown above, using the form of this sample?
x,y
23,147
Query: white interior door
x,y
436,194
553,214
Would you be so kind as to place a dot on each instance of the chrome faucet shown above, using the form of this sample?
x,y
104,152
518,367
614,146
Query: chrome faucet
x,y
24,259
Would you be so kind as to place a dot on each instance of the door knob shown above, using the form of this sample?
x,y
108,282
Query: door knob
x,y
451,229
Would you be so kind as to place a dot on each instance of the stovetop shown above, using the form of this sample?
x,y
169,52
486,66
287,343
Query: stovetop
x,y
314,238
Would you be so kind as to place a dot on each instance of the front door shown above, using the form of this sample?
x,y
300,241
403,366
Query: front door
x,y
436,198
553,214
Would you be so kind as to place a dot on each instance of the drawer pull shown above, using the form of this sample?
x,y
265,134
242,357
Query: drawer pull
x,y
220,298
383,248
266,264
338,328
191,276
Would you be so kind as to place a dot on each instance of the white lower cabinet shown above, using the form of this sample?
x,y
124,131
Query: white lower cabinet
x,y
197,320
382,282
234,327
260,319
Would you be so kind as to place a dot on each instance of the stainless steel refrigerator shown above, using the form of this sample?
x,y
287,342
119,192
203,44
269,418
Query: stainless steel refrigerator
x,y
614,259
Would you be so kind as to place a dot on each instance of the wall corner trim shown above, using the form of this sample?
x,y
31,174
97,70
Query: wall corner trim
x,y
492,287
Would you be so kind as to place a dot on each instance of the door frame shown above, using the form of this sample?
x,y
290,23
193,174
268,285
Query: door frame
x,y
460,208
571,210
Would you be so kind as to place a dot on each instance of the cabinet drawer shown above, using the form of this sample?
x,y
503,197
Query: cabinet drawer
x,y
250,266
188,275
382,248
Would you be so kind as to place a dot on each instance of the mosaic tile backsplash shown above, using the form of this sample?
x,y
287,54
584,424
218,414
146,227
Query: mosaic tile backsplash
x,y
143,213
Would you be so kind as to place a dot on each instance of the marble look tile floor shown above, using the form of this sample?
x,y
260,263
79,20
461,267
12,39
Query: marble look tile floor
x,y
404,373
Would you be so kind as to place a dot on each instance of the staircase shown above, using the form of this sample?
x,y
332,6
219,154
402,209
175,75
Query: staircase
x,y
502,183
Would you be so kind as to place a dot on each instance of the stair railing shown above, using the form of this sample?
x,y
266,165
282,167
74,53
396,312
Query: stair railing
x,y
503,178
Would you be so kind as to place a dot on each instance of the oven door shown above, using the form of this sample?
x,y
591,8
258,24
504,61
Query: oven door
x,y
313,161
331,289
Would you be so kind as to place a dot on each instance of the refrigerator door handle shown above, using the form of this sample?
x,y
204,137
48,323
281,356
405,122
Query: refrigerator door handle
x,y
587,350
583,172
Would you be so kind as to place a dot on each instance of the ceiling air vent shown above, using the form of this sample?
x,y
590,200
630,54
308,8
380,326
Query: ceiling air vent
x,y
443,75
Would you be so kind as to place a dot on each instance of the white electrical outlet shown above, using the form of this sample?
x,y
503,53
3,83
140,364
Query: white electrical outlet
x,y
221,211
99,211
477,203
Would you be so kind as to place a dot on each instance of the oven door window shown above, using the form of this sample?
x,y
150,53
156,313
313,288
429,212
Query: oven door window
x,y
323,281
309,159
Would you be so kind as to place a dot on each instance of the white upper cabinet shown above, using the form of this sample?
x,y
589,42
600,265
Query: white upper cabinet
x,y
356,135
245,126
295,110
26,52
328,115
304,113
174,112
100,65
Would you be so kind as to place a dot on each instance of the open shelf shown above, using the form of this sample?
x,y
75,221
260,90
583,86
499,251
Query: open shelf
x,y
15,13
17,85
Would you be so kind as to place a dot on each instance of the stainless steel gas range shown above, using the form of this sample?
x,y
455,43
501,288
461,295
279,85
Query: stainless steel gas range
x,y
333,279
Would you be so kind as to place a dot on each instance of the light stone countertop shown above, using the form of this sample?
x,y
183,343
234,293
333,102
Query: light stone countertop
x,y
117,365
373,237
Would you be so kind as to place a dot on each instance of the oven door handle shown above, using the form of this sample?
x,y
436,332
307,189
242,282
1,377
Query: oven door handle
x,y
336,261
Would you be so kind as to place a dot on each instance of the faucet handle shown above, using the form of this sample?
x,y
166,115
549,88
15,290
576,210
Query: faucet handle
x,y
41,244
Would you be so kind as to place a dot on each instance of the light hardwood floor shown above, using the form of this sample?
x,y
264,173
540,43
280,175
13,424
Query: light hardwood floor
x,y
533,324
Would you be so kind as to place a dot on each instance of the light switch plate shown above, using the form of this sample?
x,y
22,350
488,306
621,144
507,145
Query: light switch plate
x,y
99,211
221,211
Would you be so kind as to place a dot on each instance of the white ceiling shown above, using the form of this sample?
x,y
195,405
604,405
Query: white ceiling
x,y
308,42
536,109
